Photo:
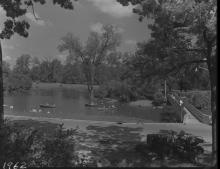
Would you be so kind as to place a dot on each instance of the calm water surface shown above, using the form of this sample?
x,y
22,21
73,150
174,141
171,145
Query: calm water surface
x,y
70,101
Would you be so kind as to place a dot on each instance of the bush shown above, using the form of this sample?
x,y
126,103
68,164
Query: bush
x,y
147,89
117,90
35,148
15,144
158,99
198,100
179,146
59,151
17,82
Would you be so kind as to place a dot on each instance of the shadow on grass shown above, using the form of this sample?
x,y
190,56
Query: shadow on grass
x,y
122,147
43,127
116,145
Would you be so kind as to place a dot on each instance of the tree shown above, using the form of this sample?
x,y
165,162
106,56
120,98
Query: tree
x,y
72,73
35,69
111,69
6,68
92,53
46,74
6,72
22,65
15,9
56,68
193,21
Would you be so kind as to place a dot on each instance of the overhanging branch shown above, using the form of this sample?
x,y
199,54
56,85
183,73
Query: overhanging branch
x,y
177,67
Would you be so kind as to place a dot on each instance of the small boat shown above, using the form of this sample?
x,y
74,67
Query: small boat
x,y
90,105
47,106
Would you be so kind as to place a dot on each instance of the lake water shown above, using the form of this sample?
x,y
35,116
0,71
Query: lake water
x,y
70,103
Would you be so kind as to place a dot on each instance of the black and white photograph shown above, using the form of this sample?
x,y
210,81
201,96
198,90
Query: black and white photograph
x,y
108,83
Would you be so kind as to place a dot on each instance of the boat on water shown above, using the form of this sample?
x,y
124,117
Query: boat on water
x,y
47,106
91,105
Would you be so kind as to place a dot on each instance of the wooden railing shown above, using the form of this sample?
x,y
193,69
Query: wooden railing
x,y
203,118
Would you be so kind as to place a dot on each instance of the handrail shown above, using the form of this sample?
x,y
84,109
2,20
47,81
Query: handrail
x,y
204,118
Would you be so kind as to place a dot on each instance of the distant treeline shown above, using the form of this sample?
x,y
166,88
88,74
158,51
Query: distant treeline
x,y
28,70
121,78
70,73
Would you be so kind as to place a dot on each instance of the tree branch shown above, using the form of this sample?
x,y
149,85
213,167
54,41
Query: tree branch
x,y
177,67
102,49
33,10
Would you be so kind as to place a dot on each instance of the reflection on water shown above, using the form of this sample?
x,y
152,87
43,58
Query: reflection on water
x,y
70,103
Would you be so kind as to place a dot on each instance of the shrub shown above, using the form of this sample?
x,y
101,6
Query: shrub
x,y
15,143
180,146
199,101
118,90
101,92
59,151
158,99
148,89
18,82
35,148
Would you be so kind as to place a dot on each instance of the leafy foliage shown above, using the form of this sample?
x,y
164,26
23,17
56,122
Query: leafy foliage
x,y
200,101
158,99
183,36
34,147
116,89
22,65
59,149
16,9
19,78
15,144
17,82
170,144
93,53
180,33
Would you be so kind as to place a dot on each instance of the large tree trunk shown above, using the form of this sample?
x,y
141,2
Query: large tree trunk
x,y
214,121
212,66
214,115
1,89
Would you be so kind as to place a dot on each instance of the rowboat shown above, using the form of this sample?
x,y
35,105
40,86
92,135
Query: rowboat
x,y
47,106
90,105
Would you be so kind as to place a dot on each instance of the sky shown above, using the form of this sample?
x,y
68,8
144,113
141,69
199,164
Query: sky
x,y
55,22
